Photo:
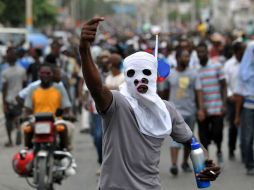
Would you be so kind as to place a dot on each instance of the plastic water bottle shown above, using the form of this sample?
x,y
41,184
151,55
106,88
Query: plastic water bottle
x,y
198,162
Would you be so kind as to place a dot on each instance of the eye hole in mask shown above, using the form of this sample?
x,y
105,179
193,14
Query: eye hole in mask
x,y
130,73
147,72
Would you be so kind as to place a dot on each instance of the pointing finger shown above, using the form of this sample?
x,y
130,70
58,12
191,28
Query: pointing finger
x,y
95,20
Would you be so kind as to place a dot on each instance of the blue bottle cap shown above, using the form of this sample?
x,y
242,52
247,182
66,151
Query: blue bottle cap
x,y
203,184
194,144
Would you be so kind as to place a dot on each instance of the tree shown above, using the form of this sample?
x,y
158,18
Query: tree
x,y
44,13
2,7
90,8
12,13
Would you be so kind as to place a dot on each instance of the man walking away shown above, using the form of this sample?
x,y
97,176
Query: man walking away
x,y
231,73
215,92
245,107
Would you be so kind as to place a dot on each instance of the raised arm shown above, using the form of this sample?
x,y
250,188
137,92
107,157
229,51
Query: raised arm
x,y
101,95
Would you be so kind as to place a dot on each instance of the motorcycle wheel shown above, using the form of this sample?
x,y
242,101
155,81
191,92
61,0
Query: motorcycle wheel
x,y
42,167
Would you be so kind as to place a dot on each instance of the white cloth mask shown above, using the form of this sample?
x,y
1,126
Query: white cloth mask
x,y
139,88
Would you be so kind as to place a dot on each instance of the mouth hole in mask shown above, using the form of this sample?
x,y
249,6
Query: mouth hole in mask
x,y
147,72
130,73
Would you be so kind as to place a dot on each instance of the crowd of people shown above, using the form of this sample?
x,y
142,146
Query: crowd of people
x,y
203,84
211,84
25,70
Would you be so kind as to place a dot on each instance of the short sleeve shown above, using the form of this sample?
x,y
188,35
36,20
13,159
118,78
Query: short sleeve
x,y
65,101
4,77
198,85
29,99
112,107
181,132
24,92
226,70
240,88
220,72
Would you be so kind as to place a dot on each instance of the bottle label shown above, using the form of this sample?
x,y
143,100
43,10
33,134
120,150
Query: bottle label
x,y
198,168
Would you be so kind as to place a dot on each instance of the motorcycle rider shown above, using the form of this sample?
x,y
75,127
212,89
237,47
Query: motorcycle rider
x,y
37,99
48,96
56,79
36,95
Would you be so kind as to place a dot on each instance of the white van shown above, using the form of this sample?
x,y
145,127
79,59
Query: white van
x,y
12,36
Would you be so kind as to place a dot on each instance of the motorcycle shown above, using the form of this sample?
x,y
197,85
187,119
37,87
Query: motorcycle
x,y
46,160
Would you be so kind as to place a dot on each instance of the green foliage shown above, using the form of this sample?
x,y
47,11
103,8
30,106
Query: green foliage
x,y
90,8
87,8
202,3
2,7
172,15
43,13
184,17
12,13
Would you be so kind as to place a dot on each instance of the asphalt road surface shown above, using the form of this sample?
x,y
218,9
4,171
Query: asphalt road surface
x,y
232,178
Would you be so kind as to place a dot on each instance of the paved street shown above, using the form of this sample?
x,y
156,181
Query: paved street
x,y
232,178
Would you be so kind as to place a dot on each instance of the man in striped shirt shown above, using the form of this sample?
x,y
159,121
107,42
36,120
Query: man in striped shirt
x,y
214,92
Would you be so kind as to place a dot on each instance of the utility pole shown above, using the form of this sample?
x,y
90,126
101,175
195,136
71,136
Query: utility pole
x,y
78,14
73,11
193,13
178,16
165,26
29,15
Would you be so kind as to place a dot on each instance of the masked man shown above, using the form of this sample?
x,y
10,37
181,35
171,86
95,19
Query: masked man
x,y
135,121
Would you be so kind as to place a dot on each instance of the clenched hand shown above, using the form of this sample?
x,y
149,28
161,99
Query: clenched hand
x,y
210,172
88,31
